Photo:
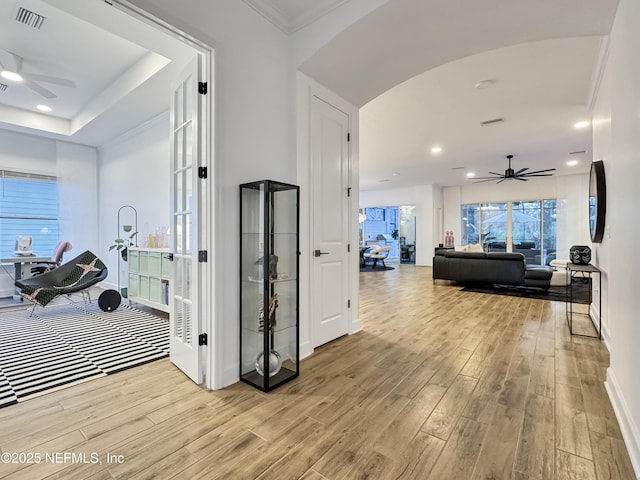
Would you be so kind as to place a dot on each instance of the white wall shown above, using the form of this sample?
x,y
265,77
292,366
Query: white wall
x,y
254,131
75,167
134,170
617,143
77,199
425,198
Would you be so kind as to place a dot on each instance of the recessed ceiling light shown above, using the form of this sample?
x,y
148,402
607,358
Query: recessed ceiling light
x,y
436,149
470,174
572,163
13,76
43,108
395,174
582,124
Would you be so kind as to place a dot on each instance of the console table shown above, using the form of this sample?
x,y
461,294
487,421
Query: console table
x,y
572,269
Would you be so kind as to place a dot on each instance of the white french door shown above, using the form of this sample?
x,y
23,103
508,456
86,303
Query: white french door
x,y
330,170
187,205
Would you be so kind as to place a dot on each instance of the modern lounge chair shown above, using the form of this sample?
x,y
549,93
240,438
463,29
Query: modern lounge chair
x,y
379,253
77,275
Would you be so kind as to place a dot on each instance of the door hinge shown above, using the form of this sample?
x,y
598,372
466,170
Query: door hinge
x,y
348,247
202,172
348,191
348,303
202,88
202,256
348,137
202,339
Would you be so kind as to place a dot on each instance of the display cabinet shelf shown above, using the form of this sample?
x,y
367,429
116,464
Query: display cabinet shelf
x,y
269,249
150,277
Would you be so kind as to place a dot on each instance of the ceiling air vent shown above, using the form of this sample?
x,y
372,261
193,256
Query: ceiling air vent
x,y
3,87
457,168
577,152
495,121
29,18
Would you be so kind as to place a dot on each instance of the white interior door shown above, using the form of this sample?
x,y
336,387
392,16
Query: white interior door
x,y
330,263
186,195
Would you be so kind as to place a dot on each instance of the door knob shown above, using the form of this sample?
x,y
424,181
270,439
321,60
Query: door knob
x,y
317,253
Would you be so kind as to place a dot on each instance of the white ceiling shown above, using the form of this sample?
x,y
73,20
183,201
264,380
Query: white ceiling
x,y
411,65
114,60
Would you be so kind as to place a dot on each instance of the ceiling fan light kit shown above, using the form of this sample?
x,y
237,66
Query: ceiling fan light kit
x,y
511,174
31,80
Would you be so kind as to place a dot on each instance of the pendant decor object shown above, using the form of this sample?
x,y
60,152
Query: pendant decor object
x,y
275,363
580,254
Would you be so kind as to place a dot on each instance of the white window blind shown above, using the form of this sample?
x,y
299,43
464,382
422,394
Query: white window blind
x,y
28,207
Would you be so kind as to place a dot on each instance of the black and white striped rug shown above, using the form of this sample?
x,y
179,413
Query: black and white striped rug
x,y
61,345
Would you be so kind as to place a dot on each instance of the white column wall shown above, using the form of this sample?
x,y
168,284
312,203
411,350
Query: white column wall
x,y
77,197
617,143
133,169
254,134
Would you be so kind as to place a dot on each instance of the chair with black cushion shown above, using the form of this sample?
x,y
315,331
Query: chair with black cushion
x,y
77,275
56,259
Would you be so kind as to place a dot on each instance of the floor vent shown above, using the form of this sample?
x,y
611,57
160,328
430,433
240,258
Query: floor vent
x,y
29,18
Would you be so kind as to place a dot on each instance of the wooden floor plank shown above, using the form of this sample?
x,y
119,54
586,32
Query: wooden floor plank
x,y
439,384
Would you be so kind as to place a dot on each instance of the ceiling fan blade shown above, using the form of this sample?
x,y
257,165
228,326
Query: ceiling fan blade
x,y
49,79
500,181
539,175
17,59
521,179
488,179
521,170
39,89
499,174
539,171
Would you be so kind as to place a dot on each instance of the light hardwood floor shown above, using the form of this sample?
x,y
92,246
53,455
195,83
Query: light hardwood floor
x,y
440,384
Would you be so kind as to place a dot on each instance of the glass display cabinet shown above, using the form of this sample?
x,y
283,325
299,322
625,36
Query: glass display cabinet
x,y
269,245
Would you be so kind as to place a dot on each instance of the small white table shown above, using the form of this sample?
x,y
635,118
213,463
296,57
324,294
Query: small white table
x,y
22,266
559,277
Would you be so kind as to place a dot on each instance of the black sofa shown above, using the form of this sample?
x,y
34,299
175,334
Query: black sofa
x,y
490,268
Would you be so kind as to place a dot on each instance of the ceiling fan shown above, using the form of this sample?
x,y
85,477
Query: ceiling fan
x,y
510,174
30,80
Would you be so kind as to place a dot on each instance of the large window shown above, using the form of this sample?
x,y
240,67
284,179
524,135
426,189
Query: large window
x,y
527,227
28,207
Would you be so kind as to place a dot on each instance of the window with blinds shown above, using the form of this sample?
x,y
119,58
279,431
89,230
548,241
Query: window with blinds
x,y
28,207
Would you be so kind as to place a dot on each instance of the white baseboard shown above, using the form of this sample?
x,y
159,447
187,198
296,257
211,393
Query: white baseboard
x,y
630,432
306,350
231,375
355,326
595,319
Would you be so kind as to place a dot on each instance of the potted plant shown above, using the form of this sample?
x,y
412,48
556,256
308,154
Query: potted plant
x,y
122,245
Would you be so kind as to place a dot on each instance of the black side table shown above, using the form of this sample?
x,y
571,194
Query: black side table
x,y
572,269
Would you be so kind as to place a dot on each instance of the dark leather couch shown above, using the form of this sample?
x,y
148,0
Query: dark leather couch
x,y
490,268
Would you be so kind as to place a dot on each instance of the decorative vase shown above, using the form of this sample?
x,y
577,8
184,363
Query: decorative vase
x,y
275,363
580,254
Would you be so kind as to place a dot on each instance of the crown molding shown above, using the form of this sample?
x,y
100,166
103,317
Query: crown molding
x,y
290,22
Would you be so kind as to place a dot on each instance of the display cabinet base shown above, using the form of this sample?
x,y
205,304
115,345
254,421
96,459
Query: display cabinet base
x,y
256,380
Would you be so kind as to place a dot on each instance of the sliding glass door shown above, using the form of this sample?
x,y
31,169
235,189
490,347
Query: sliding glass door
x,y
486,224
525,226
